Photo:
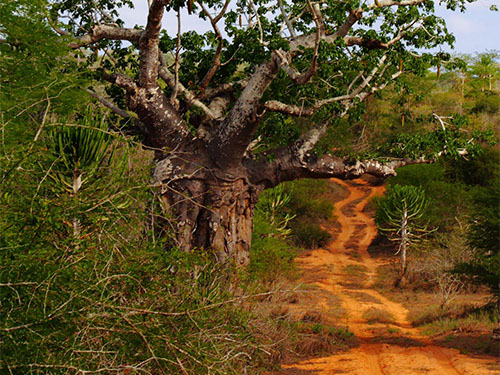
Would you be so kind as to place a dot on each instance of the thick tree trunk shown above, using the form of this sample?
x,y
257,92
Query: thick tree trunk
x,y
211,210
220,222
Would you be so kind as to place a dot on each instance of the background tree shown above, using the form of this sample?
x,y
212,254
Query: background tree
x,y
399,214
199,100
485,69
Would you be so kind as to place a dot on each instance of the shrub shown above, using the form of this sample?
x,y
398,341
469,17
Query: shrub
x,y
486,102
484,239
309,235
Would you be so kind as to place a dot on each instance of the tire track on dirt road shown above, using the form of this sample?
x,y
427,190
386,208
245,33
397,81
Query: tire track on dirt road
x,y
391,347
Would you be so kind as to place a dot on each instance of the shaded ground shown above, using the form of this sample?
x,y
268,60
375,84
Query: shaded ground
x,y
344,274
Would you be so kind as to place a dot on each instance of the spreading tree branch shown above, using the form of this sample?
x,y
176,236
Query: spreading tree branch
x,y
100,32
288,167
232,137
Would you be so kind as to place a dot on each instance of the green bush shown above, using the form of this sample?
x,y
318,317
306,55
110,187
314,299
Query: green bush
x,y
486,102
110,299
447,200
307,199
309,235
484,239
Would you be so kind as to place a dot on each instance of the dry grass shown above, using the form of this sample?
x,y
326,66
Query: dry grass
x,y
364,297
374,315
355,276
318,339
462,323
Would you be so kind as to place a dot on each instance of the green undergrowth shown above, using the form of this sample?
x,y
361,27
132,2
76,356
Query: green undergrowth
x,y
311,201
288,218
110,298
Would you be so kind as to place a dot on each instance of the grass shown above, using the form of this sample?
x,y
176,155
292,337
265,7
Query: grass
x,y
374,315
355,270
318,339
311,202
364,297
393,330
355,276
465,323
458,319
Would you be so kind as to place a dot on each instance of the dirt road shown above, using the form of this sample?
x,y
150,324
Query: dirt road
x,y
388,345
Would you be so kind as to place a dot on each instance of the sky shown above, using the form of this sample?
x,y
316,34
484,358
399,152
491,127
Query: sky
x,y
476,30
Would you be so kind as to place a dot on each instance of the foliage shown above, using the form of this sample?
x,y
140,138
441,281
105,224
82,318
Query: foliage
x,y
443,196
484,239
273,206
287,218
310,203
36,68
272,253
449,142
119,309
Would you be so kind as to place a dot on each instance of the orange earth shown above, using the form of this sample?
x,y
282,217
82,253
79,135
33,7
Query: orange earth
x,y
412,353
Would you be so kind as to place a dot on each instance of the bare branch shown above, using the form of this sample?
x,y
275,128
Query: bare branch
x,y
303,78
216,63
289,109
287,166
355,15
108,104
259,23
175,90
294,110
224,88
389,3
286,19
190,98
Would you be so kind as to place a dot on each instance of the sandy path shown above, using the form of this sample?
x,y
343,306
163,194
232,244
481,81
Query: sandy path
x,y
390,348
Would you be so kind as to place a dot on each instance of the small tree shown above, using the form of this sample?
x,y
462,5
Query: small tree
x,y
79,150
399,214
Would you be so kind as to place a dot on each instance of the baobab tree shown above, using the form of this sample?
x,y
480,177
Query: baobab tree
x,y
200,100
